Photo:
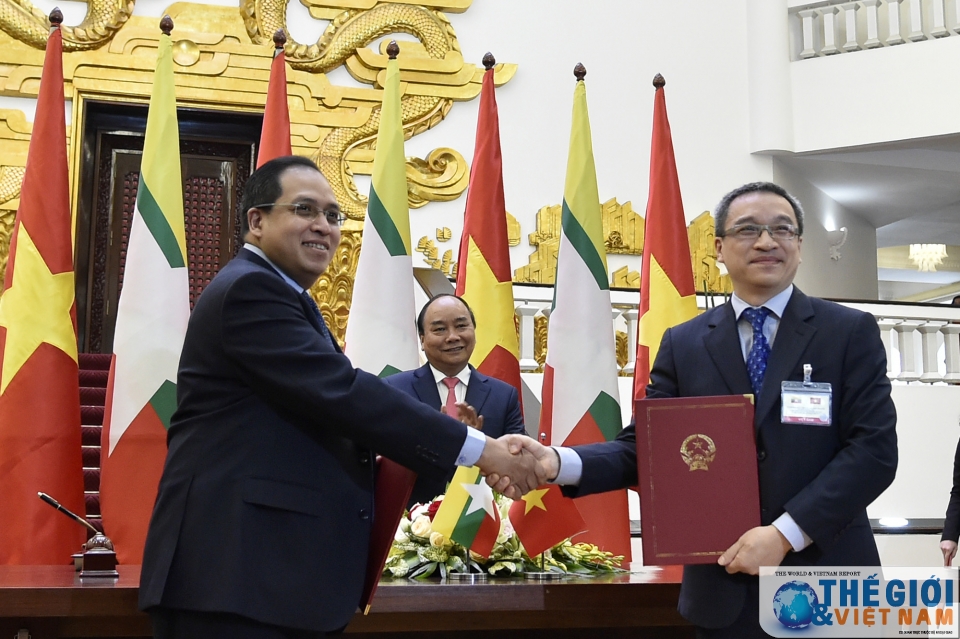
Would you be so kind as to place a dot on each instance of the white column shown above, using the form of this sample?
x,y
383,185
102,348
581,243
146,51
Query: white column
x,y
808,21
873,22
526,313
631,316
929,351
908,354
893,20
886,325
829,30
768,76
849,21
915,28
938,27
951,350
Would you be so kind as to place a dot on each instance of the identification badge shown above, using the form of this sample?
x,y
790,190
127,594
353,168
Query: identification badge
x,y
806,402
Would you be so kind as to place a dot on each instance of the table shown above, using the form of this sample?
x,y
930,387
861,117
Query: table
x,y
52,601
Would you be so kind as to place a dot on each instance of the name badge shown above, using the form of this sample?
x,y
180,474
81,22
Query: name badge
x,y
806,402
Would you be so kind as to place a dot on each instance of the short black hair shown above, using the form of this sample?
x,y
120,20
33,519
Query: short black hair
x,y
423,311
263,185
723,208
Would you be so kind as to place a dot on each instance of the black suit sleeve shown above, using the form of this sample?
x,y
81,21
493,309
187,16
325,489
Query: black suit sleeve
x,y
297,372
951,525
513,420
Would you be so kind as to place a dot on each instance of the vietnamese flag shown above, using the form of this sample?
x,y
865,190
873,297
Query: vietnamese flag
x,y
39,385
484,279
275,135
543,518
667,295
468,513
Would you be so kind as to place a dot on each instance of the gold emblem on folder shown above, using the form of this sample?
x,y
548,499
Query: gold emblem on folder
x,y
698,451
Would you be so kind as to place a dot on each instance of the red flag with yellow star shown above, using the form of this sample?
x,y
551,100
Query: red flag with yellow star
x,y
39,387
543,518
483,267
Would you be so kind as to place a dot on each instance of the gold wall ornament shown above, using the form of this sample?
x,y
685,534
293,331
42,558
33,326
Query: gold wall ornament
x,y
513,230
623,277
622,233
444,234
623,356
540,325
698,452
703,257
431,256
23,21
223,58
334,290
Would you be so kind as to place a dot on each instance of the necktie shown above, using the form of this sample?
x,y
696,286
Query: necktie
x,y
451,403
316,311
760,352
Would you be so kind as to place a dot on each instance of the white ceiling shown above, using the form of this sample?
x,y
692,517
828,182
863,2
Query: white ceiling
x,y
909,190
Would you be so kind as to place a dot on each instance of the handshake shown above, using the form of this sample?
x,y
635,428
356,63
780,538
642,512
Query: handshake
x,y
515,464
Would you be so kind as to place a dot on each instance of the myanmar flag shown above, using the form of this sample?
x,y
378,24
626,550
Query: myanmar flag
x,y
39,388
581,402
381,332
667,295
152,319
468,513
543,518
483,269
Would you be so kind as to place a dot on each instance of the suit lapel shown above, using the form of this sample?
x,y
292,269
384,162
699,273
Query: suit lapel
x,y
723,345
793,337
426,386
477,389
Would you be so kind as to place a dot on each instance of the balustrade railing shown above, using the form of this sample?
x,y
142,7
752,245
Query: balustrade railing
x,y
922,341
829,27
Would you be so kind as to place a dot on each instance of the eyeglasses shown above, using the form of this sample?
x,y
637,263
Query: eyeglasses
x,y
309,212
750,232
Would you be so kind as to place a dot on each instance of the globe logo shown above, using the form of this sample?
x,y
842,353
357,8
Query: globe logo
x,y
794,603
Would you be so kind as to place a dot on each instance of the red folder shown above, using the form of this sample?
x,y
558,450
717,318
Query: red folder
x,y
697,469
390,495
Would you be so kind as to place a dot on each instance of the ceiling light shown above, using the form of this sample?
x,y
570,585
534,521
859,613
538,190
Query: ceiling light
x,y
893,522
928,256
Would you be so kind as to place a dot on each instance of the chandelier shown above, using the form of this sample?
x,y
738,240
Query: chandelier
x,y
927,256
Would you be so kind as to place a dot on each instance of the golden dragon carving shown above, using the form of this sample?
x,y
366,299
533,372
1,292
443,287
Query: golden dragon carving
x,y
345,34
25,22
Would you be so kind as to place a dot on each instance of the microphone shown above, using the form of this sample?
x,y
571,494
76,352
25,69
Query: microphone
x,y
53,502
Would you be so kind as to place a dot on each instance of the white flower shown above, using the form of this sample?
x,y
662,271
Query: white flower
x,y
421,526
437,540
417,510
506,531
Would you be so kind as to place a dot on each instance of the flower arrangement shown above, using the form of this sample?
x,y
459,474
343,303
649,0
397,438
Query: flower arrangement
x,y
418,551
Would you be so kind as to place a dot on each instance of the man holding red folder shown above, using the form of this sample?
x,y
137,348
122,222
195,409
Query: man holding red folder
x,y
816,480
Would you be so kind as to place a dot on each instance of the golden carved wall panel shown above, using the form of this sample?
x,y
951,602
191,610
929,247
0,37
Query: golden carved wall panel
x,y
223,57
703,256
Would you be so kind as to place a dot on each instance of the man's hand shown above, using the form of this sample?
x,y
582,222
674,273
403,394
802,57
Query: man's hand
x,y
519,472
760,546
949,550
468,415
546,456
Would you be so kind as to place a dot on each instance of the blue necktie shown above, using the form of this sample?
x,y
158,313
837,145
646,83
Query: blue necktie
x,y
760,352
316,311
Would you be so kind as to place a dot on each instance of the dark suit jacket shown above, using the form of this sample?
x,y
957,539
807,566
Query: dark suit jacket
x,y
495,400
951,523
265,505
823,476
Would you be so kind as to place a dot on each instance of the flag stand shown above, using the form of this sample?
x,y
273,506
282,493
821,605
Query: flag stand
x,y
543,575
467,577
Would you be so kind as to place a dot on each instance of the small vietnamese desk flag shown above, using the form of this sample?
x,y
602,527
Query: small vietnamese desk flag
x,y
152,316
667,295
468,513
543,518
275,135
39,382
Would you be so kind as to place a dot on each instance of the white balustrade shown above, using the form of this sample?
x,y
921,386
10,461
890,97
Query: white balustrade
x,y
929,349
829,27
951,351
908,358
527,312
886,325
631,316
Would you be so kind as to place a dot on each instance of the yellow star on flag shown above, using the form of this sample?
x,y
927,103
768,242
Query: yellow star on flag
x,y
487,296
35,309
534,499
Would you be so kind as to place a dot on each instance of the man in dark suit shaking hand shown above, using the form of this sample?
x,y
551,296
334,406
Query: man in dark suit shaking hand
x,y
447,330
264,508
816,480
